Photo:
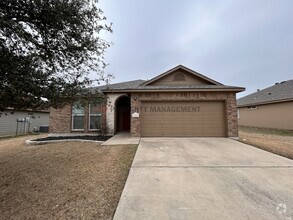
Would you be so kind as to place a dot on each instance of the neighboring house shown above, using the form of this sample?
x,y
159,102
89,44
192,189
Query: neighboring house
x,y
177,103
13,122
268,108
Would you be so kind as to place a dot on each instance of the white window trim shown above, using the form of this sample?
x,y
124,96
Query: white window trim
x,y
72,115
238,113
89,119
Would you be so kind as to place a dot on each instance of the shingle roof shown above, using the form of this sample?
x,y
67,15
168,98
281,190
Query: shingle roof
x,y
279,92
123,85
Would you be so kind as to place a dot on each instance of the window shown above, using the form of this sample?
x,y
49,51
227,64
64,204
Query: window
x,y
253,107
95,117
77,117
238,113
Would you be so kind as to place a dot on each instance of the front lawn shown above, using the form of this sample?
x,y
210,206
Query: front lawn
x,y
69,180
276,141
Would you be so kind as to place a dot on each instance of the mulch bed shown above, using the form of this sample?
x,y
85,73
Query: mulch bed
x,y
85,137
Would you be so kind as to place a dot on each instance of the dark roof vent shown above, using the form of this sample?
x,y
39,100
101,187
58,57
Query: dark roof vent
x,y
269,93
282,82
276,83
258,90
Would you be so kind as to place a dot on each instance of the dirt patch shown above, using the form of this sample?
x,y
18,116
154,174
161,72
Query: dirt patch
x,y
70,180
273,141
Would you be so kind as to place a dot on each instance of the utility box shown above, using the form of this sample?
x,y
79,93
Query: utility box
x,y
44,128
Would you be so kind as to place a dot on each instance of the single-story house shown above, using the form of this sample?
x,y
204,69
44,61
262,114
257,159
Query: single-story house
x,y
268,108
176,103
16,122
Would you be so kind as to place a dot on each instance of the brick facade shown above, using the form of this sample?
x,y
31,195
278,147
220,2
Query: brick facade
x,y
228,97
61,120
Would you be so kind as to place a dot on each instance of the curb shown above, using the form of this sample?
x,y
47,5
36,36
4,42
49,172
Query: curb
x,y
32,142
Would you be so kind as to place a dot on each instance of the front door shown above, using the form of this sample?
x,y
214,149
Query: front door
x,y
123,114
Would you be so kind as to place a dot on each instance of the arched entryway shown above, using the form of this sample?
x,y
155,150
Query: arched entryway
x,y
122,112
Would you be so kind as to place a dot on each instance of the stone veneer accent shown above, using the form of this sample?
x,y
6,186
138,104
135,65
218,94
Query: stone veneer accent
x,y
111,99
228,97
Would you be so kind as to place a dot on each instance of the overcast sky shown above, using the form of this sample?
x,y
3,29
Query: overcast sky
x,y
242,43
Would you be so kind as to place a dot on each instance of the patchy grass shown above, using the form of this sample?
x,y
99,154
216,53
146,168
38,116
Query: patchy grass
x,y
70,180
23,135
267,131
275,141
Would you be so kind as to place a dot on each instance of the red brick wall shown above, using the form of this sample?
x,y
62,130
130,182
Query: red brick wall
x,y
228,97
61,120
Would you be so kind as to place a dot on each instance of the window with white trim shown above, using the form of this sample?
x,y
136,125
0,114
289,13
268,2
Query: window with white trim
x,y
77,117
95,117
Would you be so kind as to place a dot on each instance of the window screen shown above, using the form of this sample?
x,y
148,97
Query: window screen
x,y
95,117
77,117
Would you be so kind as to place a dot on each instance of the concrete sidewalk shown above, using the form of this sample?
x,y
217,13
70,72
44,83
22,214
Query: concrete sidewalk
x,y
206,178
122,138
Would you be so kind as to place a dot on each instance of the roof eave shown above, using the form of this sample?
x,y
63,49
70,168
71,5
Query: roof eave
x,y
176,90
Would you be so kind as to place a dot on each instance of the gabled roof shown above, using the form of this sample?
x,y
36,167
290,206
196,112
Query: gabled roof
x,y
280,92
146,86
192,72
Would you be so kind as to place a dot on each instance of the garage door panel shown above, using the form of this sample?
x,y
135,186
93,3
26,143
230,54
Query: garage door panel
x,y
183,119
152,133
185,133
159,127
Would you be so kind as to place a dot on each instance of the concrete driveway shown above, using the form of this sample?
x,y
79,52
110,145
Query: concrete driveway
x,y
206,178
